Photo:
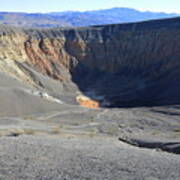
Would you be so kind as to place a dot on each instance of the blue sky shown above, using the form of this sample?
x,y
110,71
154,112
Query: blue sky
x,y
82,5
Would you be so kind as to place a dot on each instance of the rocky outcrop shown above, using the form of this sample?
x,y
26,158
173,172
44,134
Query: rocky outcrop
x,y
172,146
129,65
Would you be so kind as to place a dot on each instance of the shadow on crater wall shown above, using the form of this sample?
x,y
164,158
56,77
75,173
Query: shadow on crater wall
x,y
127,88
129,65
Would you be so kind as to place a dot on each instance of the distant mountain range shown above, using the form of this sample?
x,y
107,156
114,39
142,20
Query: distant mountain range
x,y
75,18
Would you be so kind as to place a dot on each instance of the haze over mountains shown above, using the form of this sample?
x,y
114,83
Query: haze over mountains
x,y
75,18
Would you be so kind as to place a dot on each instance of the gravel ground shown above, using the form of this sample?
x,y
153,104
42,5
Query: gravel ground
x,y
47,158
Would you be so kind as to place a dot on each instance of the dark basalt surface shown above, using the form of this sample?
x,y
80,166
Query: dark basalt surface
x,y
172,147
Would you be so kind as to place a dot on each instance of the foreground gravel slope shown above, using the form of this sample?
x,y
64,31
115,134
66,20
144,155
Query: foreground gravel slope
x,y
46,158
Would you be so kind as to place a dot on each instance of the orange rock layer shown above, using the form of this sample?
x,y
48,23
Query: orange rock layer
x,y
88,103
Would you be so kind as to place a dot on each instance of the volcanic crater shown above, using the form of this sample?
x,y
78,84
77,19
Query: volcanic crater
x,y
128,65
126,77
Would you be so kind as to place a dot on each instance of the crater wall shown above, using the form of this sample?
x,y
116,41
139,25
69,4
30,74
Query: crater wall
x,y
135,64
